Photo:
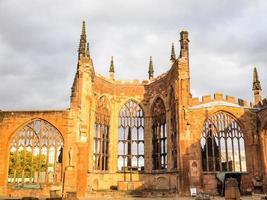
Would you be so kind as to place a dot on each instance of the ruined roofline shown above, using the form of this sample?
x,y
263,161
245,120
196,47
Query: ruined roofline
x,y
141,82
111,81
83,52
133,81
196,101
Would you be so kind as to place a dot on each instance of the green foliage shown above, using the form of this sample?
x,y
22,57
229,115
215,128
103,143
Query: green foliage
x,y
30,163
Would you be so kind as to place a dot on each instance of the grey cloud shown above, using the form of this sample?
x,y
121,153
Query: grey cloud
x,y
39,40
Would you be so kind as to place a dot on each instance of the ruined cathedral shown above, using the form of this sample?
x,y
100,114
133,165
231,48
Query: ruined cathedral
x,y
149,135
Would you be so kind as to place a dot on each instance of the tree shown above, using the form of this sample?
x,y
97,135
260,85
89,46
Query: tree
x,y
28,161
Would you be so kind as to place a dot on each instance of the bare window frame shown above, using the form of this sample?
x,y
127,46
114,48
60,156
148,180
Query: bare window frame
x,y
131,122
101,134
43,143
159,135
222,144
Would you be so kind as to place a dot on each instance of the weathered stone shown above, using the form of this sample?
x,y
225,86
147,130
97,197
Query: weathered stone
x,y
202,197
231,189
76,125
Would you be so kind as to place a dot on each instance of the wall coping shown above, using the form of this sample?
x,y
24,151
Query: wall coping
x,y
132,82
218,99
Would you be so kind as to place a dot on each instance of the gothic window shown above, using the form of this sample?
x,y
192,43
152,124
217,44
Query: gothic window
x,y
222,144
101,134
173,129
131,137
159,135
35,154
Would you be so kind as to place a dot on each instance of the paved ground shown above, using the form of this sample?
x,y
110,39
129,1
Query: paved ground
x,y
254,197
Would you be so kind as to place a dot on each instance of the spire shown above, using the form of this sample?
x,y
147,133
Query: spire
x,y
256,88
256,81
184,49
82,46
173,56
111,68
151,69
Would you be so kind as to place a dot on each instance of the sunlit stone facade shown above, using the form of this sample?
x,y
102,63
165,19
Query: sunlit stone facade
x,y
133,135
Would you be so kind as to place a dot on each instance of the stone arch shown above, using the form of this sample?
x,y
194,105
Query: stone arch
x,y
159,134
158,96
27,122
231,115
235,116
106,99
35,153
101,134
103,107
135,101
158,102
222,143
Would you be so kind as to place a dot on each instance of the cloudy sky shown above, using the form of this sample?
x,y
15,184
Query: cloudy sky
x,y
39,41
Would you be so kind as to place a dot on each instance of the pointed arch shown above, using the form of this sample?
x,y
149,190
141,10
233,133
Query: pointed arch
x,y
27,122
102,110
159,139
158,110
131,137
101,134
231,115
35,154
222,144
135,102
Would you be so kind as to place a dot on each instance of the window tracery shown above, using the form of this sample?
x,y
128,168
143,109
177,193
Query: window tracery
x,y
131,137
222,144
36,153
101,135
159,131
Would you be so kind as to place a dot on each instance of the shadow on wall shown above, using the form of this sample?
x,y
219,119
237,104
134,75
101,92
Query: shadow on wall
x,y
224,144
262,129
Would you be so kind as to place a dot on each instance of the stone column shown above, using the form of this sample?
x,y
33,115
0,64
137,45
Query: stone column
x,y
3,166
148,147
91,132
113,137
82,167
69,180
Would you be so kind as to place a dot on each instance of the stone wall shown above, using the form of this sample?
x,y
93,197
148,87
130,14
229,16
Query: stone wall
x,y
76,124
262,137
11,122
248,123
